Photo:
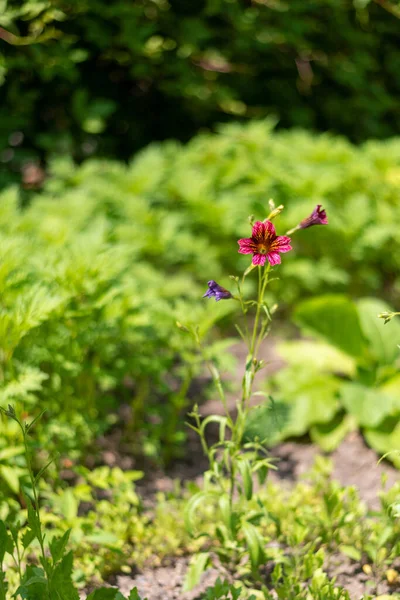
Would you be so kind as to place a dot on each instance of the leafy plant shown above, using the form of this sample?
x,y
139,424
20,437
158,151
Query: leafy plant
x,y
346,377
234,463
53,578
203,63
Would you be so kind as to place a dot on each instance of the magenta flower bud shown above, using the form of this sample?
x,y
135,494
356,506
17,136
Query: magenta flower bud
x,y
317,217
264,244
217,291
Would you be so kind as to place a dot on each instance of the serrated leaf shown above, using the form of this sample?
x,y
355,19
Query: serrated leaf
x,y
267,421
27,538
57,546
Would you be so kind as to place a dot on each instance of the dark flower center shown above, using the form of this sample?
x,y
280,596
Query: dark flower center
x,y
262,249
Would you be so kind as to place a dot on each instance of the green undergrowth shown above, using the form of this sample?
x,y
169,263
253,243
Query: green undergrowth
x,y
97,268
305,537
342,375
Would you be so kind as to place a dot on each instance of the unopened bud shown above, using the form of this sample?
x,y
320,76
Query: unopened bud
x,y
182,327
251,220
276,211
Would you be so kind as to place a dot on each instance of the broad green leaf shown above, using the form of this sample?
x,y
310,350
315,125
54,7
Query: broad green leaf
x,y
383,339
11,477
318,356
385,438
197,566
7,453
368,405
329,435
314,403
335,318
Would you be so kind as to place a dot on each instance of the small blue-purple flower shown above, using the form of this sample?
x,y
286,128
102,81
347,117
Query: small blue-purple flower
x,y
216,291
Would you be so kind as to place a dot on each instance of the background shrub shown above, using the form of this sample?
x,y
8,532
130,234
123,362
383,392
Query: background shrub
x,y
101,78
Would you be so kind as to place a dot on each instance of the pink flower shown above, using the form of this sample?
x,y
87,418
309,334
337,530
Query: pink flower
x,y
317,217
264,244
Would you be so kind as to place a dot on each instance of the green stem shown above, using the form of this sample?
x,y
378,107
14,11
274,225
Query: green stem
x,y
36,507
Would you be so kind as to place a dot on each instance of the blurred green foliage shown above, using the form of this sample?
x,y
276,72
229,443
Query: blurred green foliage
x,y
99,265
344,379
101,78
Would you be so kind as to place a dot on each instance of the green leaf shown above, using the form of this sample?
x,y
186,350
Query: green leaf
x,y
317,356
245,471
267,421
134,595
4,542
7,453
106,538
194,503
106,594
69,505
33,519
351,552
382,339
329,435
58,545
10,476
27,538
335,318
368,405
255,544
62,586
197,566
386,438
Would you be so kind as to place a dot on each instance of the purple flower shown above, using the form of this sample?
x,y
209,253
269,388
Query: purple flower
x,y
217,291
264,244
317,217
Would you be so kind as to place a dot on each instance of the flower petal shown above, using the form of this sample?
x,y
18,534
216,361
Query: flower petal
x,y
259,259
246,246
274,258
258,231
270,229
281,244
